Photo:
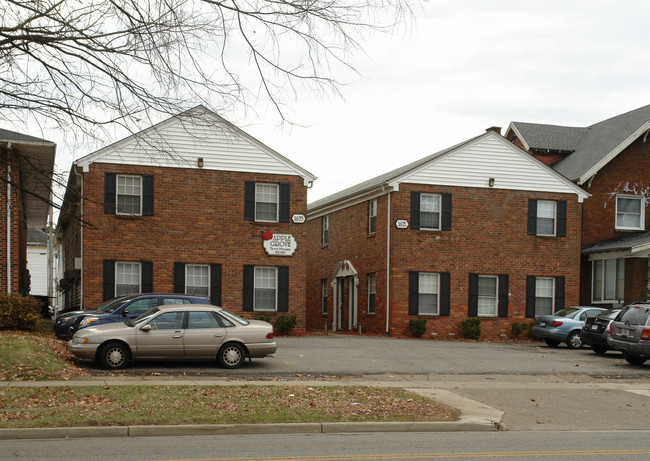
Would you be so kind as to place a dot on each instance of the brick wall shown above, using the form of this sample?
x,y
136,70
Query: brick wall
x,y
489,236
198,218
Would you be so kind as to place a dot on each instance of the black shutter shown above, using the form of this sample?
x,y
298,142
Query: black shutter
x,y
445,293
147,276
179,277
414,292
249,282
147,195
215,284
530,296
283,289
559,293
503,295
472,304
446,212
532,216
285,202
561,218
249,201
109,279
415,210
109,194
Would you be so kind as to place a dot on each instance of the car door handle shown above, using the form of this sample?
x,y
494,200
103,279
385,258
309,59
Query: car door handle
x,y
178,334
218,335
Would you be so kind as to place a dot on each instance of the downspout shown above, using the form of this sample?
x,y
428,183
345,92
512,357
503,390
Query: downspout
x,y
8,217
388,269
81,233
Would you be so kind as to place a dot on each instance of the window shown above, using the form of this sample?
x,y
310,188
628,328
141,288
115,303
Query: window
x,y
168,321
544,295
430,211
127,278
140,306
487,295
200,319
129,194
197,279
323,296
372,293
547,217
428,294
372,216
608,280
630,213
265,294
266,202
325,230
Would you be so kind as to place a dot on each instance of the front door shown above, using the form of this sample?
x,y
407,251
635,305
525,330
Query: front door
x,y
340,301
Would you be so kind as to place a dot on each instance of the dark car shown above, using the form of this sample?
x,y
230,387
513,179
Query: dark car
x,y
565,325
130,307
596,329
64,321
630,333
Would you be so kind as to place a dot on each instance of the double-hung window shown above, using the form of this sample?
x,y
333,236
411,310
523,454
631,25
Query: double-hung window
x,y
547,217
197,279
487,295
630,212
372,216
608,280
428,293
129,194
127,278
544,295
372,293
266,289
266,202
430,211
325,230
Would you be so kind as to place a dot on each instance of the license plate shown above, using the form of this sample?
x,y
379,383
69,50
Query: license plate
x,y
542,324
594,327
625,332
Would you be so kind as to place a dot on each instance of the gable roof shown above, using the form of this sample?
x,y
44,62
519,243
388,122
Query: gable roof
x,y
467,164
181,140
590,148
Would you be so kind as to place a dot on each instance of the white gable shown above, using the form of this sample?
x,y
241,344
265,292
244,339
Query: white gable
x,y
180,141
491,156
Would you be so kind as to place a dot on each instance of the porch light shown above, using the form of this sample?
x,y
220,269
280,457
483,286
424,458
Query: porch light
x,y
200,162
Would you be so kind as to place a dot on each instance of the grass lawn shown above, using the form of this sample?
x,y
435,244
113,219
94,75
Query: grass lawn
x,y
37,356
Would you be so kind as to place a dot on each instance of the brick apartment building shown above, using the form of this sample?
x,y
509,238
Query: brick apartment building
x,y
192,204
481,229
611,161
26,167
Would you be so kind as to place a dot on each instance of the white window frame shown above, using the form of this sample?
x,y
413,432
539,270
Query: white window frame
x,y
122,177
641,214
325,230
188,277
324,296
372,217
372,290
435,290
602,283
260,274
539,296
483,299
539,218
437,200
261,189
120,267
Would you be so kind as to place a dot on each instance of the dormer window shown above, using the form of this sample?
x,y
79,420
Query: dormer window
x,y
630,212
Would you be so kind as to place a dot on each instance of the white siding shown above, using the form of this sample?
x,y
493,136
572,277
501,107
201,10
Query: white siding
x,y
490,157
37,266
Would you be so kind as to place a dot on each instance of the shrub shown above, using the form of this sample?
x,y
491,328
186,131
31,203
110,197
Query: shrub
x,y
417,327
517,328
471,328
284,324
19,312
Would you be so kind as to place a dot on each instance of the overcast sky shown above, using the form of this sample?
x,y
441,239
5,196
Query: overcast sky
x,y
464,65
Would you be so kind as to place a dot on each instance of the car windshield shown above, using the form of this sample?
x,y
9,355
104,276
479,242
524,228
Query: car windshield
x,y
107,307
142,318
234,318
569,312
115,306
634,314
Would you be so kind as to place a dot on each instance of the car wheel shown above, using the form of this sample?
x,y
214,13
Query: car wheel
x,y
231,355
574,341
634,359
599,349
114,356
552,342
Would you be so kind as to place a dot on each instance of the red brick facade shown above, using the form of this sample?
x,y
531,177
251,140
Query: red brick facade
x,y
14,266
488,236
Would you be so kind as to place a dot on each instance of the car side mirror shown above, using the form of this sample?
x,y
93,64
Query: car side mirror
x,y
146,327
125,312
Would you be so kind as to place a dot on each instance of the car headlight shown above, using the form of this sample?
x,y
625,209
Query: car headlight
x,y
79,340
87,321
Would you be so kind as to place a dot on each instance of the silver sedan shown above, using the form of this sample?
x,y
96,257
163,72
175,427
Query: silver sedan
x,y
176,332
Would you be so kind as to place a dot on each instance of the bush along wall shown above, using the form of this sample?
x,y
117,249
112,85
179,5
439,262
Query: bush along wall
x,y
19,312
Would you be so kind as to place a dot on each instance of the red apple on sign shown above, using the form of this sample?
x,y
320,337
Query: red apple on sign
x,y
267,235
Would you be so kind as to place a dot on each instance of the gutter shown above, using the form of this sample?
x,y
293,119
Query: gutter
x,y
388,267
81,234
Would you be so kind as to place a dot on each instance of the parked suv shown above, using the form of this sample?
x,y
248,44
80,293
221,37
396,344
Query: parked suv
x,y
630,333
130,307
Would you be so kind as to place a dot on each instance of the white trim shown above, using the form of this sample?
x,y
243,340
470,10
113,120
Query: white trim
x,y
642,206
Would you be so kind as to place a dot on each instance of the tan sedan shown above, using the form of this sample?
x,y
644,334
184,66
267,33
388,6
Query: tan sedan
x,y
176,332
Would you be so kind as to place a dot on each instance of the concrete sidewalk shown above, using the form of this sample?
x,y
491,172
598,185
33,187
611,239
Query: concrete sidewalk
x,y
474,415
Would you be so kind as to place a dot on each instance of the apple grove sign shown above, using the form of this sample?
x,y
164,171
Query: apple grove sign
x,y
280,245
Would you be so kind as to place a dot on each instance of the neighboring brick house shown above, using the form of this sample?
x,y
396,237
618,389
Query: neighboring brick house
x,y
182,207
611,161
481,229
26,167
